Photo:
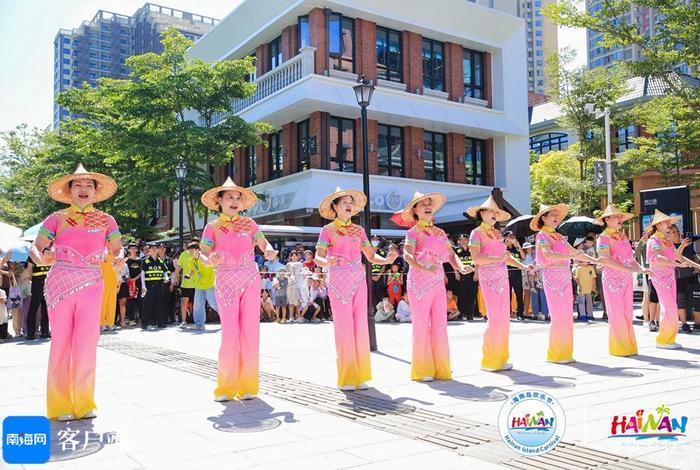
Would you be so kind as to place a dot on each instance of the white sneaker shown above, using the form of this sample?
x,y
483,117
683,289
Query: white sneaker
x,y
183,325
669,346
507,366
347,388
426,379
64,418
362,387
221,398
565,361
540,316
90,415
247,396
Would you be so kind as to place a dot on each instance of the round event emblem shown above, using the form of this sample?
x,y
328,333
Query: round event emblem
x,y
532,422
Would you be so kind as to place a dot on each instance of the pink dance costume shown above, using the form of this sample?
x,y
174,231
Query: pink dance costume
x,y
617,292
493,280
428,303
237,290
558,289
347,291
664,280
74,301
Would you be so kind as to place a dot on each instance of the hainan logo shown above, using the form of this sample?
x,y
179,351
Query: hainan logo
x,y
532,422
660,425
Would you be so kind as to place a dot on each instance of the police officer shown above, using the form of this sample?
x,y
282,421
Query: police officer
x,y
168,294
153,286
38,302
133,302
466,285
515,276
378,281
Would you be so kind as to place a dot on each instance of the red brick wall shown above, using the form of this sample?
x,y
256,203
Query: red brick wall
x,y
263,163
371,145
239,166
289,42
318,33
490,163
365,49
413,141
454,79
318,125
455,152
289,143
488,79
261,59
412,62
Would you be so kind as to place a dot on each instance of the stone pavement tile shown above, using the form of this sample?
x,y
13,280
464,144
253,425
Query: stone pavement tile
x,y
436,459
397,448
322,461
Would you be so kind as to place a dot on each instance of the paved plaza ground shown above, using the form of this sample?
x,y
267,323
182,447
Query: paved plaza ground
x,y
155,394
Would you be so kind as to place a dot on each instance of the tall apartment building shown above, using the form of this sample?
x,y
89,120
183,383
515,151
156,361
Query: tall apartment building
x,y
449,112
541,38
99,47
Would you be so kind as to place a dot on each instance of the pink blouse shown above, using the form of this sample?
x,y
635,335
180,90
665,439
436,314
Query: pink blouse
x,y
619,246
431,244
557,243
488,246
80,244
347,246
656,244
235,239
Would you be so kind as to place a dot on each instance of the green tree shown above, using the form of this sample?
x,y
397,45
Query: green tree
x,y
138,130
672,122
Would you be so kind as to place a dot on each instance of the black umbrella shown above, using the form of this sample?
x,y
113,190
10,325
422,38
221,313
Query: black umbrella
x,y
520,226
578,227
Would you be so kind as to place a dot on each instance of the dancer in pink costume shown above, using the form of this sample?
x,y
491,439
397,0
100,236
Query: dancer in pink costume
x,y
663,259
491,257
340,247
617,257
82,236
553,253
426,249
228,243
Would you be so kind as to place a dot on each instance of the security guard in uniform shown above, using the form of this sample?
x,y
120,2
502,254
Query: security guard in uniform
x,y
515,276
153,285
38,301
168,292
378,280
467,285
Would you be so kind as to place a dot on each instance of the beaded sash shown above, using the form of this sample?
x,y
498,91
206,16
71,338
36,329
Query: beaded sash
x,y
494,276
615,280
344,278
663,276
71,273
233,276
420,281
557,279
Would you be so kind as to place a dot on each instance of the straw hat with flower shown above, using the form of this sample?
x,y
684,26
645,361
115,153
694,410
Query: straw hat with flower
x,y
59,189
437,198
248,196
325,207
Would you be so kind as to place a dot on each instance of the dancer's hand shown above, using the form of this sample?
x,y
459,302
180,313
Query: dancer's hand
x,y
431,268
465,270
270,254
48,257
331,261
391,257
214,258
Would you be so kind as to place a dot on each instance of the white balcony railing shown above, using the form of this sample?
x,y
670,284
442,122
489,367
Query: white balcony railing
x,y
273,81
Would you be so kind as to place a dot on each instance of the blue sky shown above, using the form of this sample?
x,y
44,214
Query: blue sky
x,y
27,30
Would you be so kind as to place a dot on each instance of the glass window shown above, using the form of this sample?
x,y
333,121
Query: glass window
x,y
342,144
543,143
434,156
66,50
388,54
390,150
474,161
251,162
276,154
66,40
624,138
433,65
340,42
275,53
304,149
473,64
304,38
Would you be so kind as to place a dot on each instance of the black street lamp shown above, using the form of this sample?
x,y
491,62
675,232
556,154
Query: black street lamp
x,y
180,174
363,92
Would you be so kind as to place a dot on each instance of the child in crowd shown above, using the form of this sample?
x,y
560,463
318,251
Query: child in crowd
x,y
395,285
280,284
385,311
452,310
296,281
585,276
403,312
538,301
309,309
322,296
309,262
267,308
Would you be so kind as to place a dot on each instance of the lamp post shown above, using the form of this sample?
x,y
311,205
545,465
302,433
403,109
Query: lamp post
x,y
363,92
180,174
590,108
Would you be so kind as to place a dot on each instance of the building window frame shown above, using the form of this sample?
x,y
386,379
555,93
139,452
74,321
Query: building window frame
x,y
433,68
474,81
300,32
338,159
394,142
303,136
431,166
543,143
274,49
339,60
251,162
474,161
275,155
624,138
385,69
